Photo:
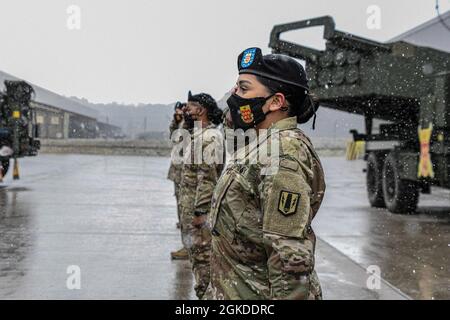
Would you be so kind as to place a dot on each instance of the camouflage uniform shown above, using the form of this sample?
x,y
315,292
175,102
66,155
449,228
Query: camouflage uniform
x,y
197,185
262,241
174,173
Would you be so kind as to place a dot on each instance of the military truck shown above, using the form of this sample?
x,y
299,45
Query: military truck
x,y
404,87
18,128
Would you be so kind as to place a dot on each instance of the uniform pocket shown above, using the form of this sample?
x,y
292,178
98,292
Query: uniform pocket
x,y
219,192
233,196
242,196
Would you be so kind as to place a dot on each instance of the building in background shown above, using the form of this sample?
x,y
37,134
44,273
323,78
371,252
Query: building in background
x,y
106,130
433,33
59,117
55,122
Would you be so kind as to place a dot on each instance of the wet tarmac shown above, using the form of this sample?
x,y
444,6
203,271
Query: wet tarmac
x,y
114,219
412,251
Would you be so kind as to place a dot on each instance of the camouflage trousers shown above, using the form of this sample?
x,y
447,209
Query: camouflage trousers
x,y
315,292
179,211
177,197
197,239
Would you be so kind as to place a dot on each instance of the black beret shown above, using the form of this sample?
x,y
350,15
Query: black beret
x,y
179,105
276,67
204,99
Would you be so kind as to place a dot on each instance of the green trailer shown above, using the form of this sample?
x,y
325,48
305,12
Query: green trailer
x,y
404,87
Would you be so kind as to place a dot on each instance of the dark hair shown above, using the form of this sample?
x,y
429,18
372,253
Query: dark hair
x,y
300,103
215,115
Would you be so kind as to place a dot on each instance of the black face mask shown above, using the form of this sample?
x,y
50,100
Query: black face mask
x,y
247,113
188,120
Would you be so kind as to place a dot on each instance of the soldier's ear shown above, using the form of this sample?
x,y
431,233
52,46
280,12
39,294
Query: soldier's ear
x,y
277,102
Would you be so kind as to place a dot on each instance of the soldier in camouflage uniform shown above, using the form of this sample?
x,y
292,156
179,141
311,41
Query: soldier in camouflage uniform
x,y
174,175
262,241
197,184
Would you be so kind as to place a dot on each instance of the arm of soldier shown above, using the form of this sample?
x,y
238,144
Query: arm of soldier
x,y
285,203
207,174
203,193
173,126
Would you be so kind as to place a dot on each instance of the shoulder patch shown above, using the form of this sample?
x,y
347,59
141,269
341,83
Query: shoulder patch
x,y
288,202
286,208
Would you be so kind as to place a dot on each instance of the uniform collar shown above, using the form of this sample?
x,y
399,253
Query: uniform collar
x,y
199,132
281,125
285,124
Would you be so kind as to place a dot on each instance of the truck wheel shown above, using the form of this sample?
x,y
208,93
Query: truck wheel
x,y
5,165
401,196
374,179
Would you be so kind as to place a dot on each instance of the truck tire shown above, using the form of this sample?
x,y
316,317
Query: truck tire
x,y
374,179
5,165
400,196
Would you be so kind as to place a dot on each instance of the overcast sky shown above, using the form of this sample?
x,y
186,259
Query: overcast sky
x,y
154,51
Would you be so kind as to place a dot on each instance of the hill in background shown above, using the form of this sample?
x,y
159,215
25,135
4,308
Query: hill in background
x,y
152,120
